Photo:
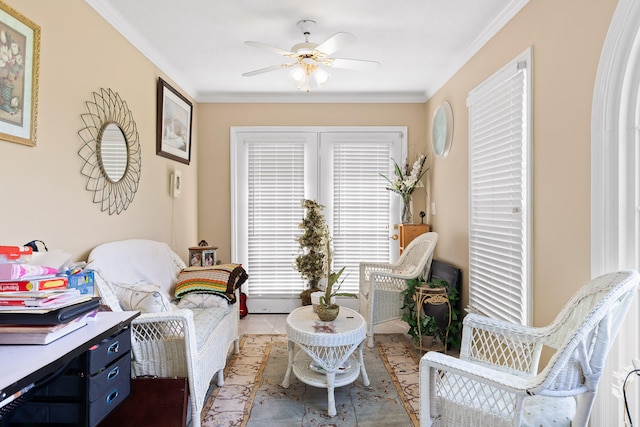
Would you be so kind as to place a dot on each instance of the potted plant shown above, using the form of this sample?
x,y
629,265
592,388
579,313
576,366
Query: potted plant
x,y
405,181
310,263
435,322
328,310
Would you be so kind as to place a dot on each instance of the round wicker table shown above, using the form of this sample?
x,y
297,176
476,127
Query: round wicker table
x,y
325,358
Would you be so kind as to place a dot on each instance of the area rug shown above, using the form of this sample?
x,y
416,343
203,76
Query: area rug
x,y
252,395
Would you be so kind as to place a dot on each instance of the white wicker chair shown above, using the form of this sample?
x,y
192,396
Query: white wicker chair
x,y
381,284
496,380
188,343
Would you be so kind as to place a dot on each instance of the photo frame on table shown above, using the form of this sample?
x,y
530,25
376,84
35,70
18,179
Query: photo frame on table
x,y
20,42
174,116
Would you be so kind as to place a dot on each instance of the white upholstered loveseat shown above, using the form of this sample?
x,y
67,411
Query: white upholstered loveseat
x,y
167,341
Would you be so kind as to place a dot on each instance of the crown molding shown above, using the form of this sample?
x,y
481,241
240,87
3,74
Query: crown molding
x,y
104,9
316,98
483,38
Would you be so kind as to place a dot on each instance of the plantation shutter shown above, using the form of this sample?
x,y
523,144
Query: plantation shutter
x,y
276,187
358,207
499,185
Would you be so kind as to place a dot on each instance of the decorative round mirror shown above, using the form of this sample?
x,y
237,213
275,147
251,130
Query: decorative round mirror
x,y
111,151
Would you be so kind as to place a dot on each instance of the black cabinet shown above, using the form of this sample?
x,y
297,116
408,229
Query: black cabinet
x,y
84,391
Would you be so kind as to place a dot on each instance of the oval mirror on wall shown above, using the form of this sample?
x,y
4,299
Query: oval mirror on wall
x,y
111,151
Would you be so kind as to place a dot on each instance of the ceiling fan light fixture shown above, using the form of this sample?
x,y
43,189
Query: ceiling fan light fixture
x,y
312,59
298,74
321,76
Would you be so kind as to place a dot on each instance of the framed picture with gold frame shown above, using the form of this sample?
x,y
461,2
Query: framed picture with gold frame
x,y
19,72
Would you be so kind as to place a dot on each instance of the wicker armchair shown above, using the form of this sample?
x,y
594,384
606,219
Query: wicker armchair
x,y
381,284
496,381
179,342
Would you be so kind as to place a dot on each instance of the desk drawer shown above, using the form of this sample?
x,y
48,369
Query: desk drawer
x,y
112,374
108,350
108,401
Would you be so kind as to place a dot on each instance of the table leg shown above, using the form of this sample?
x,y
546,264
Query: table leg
x,y
285,383
363,371
331,404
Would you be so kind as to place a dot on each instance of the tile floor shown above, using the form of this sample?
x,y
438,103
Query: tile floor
x,y
276,324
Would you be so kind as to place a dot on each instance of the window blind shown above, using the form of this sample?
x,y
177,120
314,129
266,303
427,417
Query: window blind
x,y
360,209
499,185
274,169
276,189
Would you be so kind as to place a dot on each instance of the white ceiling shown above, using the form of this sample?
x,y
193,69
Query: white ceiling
x,y
199,44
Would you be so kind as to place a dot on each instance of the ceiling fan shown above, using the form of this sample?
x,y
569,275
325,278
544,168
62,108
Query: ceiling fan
x,y
312,59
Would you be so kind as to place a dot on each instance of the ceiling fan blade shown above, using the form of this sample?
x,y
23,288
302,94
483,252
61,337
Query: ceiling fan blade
x,y
352,64
336,42
270,48
266,70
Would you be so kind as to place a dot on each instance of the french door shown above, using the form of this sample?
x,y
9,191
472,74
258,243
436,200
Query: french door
x,y
275,168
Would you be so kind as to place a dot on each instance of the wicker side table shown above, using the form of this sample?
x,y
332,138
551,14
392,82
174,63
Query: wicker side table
x,y
326,359
435,296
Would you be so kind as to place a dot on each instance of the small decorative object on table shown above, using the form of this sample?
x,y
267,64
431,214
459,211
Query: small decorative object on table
x,y
327,327
405,182
204,256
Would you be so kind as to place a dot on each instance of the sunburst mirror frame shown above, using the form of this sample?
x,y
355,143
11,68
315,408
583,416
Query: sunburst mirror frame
x,y
108,109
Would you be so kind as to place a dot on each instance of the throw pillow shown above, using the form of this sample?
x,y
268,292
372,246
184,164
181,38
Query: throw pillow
x,y
222,280
146,298
200,300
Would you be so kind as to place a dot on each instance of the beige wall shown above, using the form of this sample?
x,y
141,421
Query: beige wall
x,y
216,119
43,192
567,38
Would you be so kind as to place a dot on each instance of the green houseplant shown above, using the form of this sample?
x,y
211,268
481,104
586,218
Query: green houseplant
x,y
436,325
327,310
315,263
310,263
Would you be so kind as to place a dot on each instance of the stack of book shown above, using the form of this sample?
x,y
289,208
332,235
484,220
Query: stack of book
x,y
39,310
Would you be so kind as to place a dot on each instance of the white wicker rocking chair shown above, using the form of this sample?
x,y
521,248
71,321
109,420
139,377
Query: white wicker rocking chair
x,y
496,381
381,284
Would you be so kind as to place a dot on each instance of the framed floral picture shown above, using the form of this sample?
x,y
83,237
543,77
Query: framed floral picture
x,y
173,132
19,71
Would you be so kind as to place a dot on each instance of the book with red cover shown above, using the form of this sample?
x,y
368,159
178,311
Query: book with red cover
x,y
34,284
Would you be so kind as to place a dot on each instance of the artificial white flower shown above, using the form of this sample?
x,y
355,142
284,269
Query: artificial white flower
x,y
405,182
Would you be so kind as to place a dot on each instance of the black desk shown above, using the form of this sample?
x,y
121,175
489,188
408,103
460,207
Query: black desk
x,y
23,365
